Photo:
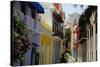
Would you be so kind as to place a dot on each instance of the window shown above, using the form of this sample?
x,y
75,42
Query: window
x,y
96,55
33,14
96,28
33,56
53,25
23,7
35,20
57,27
62,27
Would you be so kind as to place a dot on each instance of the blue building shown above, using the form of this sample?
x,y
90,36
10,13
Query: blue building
x,y
29,13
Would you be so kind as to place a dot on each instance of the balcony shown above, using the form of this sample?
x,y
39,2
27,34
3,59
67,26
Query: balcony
x,y
58,17
31,23
58,33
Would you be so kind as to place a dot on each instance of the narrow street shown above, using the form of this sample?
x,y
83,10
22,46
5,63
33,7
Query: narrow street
x,y
52,33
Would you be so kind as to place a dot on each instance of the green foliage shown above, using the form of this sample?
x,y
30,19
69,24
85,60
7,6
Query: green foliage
x,y
85,19
67,34
20,39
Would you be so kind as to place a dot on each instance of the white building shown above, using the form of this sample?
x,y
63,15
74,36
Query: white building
x,y
88,44
73,18
92,39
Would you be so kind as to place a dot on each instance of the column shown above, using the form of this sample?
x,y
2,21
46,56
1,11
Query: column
x,y
94,43
91,44
89,48
87,45
72,40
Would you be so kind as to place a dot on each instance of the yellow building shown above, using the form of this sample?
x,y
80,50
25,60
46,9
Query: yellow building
x,y
45,44
46,35
45,50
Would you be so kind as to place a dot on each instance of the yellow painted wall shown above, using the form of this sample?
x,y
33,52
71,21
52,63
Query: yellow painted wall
x,y
46,43
46,40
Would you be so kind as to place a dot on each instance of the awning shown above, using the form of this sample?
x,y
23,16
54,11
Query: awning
x,y
37,7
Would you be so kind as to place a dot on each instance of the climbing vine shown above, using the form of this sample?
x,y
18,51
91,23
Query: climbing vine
x,y
19,38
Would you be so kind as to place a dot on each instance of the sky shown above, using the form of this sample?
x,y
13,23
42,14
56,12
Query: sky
x,y
67,8
70,8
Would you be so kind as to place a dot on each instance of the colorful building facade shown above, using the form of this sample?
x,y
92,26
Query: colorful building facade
x,y
57,32
46,36
74,20
29,13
